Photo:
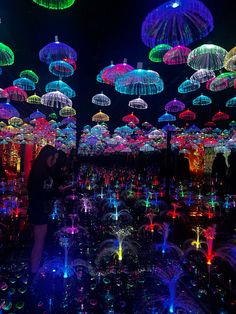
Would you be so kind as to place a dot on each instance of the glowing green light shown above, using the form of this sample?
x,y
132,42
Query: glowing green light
x,y
55,4
6,55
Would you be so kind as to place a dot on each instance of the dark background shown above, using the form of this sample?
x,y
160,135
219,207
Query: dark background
x,y
101,31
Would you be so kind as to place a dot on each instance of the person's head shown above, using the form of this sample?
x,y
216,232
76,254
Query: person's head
x,y
45,160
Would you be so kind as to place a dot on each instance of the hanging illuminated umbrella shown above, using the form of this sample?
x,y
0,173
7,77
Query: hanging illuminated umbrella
x,y
8,111
101,100
202,75
55,4
29,74
187,115
56,51
67,111
55,99
202,100
131,118
61,68
157,53
24,83
55,86
220,116
34,100
37,115
230,60
177,55
138,103
6,55
231,102
15,93
188,86
140,82
208,57
174,106
99,76
111,74
210,124
15,121
100,117
167,117
179,22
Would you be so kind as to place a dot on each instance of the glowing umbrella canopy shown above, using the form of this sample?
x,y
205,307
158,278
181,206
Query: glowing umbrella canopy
x,y
61,68
24,83
202,75
187,115
100,117
8,111
29,74
131,118
231,102
174,106
111,74
167,117
202,100
55,99
208,57
15,93
55,4
220,116
6,55
157,53
179,22
67,111
188,86
101,100
138,103
99,76
176,55
230,60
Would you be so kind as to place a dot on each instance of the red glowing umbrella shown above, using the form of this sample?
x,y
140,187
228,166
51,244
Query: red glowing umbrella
x,y
210,124
220,116
187,115
14,93
130,118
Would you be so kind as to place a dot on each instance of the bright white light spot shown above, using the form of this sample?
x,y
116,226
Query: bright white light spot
x,y
175,5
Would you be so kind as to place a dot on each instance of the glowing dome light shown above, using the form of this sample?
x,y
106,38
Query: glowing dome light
x,y
111,74
202,75
131,118
24,83
188,86
167,117
15,93
177,23
187,115
101,100
99,76
174,106
61,68
8,111
221,82
202,100
220,116
56,51
138,103
55,86
29,74
100,117
37,115
208,57
68,91
6,55
34,100
176,55
55,4
15,121
231,102
140,82
67,111
157,53
56,99
230,60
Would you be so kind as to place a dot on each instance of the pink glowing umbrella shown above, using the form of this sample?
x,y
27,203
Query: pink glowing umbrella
x,y
130,118
176,55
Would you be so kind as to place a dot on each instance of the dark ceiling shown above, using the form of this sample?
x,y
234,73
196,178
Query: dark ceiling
x,y
101,31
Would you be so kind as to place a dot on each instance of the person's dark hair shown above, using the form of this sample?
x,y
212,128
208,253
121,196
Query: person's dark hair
x,y
61,159
40,168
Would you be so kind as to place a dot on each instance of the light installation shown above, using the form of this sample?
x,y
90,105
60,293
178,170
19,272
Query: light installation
x,y
202,100
8,111
15,93
187,115
61,68
231,102
99,76
174,106
55,86
15,121
131,118
29,74
68,91
111,74
37,115
57,51
101,100
177,23
138,103
202,75
208,57
24,83
55,99
220,116
100,117
167,117
157,53
140,82
176,55
55,4
188,86
6,55
230,60
34,100
67,111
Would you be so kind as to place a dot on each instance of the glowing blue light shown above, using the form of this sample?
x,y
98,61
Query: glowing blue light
x,y
175,5
171,309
